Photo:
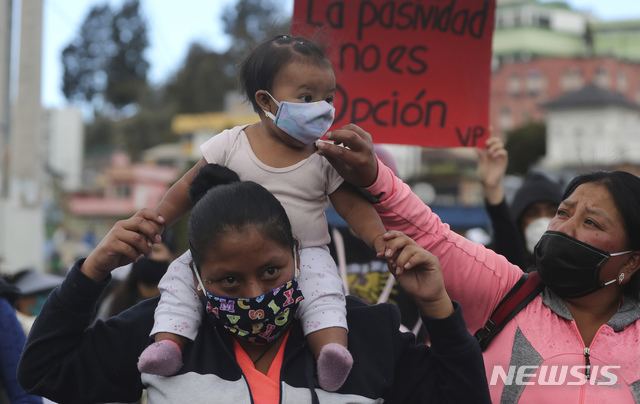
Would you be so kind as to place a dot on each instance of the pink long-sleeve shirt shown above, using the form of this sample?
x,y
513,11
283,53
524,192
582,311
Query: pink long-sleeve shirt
x,y
539,356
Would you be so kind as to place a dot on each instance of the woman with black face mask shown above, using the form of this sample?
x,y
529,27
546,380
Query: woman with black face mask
x,y
250,346
142,280
577,341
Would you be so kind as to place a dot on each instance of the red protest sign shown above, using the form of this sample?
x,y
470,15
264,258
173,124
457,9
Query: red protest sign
x,y
408,72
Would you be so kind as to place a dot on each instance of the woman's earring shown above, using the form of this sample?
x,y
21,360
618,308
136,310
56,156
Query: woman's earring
x,y
621,278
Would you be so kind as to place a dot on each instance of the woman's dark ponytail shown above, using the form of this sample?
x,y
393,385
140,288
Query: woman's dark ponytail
x,y
209,176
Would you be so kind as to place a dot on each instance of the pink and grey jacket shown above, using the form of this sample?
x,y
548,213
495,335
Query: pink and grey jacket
x,y
539,356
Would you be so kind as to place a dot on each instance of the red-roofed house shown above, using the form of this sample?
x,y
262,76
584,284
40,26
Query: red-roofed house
x,y
124,188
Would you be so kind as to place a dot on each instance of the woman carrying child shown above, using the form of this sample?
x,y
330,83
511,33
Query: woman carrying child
x,y
291,85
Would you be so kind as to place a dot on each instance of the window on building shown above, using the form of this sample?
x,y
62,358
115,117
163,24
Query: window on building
x,y
517,20
508,19
513,87
506,121
571,80
123,191
579,142
535,83
621,82
602,77
544,21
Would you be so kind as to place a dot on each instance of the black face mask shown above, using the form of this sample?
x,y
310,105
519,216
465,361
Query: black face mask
x,y
148,271
568,266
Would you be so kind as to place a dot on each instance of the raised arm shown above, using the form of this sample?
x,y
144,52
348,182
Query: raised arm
x,y
126,241
492,166
360,215
474,276
419,273
455,355
357,164
175,203
67,361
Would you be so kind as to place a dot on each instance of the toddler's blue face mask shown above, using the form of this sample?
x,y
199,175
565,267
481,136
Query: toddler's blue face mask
x,y
304,121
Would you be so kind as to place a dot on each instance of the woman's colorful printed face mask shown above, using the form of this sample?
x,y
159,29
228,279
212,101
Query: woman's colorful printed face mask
x,y
260,319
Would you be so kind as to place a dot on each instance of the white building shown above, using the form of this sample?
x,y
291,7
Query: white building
x,y
592,128
525,29
64,137
21,196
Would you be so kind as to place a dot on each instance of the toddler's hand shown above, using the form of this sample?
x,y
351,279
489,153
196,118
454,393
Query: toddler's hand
x,y
159,226
379,244
126,241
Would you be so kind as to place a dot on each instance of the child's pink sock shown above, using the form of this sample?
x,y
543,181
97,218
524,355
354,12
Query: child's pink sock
x,y
334,365
163,358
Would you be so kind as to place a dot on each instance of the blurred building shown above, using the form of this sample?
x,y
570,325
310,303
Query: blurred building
x,y
195,129
167,154
519,89
64,146
121,190
592,127
619,38
527,29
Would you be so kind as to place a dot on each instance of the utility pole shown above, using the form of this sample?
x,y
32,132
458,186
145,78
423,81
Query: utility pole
x,y
21,201
6,11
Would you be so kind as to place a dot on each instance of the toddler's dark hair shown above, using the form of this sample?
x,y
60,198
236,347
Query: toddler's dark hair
x,y
261,67
223,204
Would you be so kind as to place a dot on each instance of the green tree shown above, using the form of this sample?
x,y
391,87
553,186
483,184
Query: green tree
x,y
105,62
525,145
86,57
98,132
247,23
200,85
127,68
149,127
105,66
206,76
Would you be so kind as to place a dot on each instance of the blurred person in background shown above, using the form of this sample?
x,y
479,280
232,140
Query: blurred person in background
x,y
34,287
142,280
516,228
12,339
